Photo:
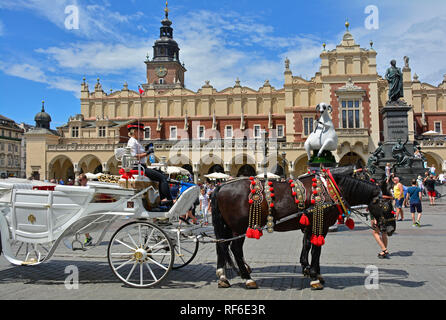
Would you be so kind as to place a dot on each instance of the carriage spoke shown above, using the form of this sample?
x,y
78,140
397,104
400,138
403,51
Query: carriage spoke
x,y
154,246
121,254
18,251
151,272
131,271
158,264
141,280
133,241
124,244
148,238
124,264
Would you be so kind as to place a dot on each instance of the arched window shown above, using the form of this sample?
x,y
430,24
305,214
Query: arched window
x,y
161,81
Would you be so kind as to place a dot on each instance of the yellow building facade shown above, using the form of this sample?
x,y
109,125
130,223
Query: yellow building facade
x,y
211,130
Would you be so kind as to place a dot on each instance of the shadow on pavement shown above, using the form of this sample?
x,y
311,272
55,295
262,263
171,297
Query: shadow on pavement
x,y
196,276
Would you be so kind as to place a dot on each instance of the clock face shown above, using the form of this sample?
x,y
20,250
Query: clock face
x,y
161,71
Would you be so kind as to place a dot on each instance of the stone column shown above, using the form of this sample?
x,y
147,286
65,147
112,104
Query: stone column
x,y
196,167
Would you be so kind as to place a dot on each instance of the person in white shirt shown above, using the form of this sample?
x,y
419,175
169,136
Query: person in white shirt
x,y
441,177
204,205
136,132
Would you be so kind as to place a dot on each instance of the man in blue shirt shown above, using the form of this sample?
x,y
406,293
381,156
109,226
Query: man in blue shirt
x,y
414,196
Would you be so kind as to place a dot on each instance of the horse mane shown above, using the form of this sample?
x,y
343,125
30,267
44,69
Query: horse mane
x,y
360,191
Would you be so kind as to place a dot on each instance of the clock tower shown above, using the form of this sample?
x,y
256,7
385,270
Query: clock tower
x,y
165,71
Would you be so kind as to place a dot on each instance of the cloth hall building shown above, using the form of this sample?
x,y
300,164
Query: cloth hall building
x,y
211,130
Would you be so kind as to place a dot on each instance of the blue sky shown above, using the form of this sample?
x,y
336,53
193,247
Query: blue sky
x,y
219,40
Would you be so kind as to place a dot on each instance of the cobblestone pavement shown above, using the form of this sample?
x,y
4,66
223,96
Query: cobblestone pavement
x,y
416,269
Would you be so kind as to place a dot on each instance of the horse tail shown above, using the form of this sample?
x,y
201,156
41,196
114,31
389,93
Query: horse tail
x,y
222,232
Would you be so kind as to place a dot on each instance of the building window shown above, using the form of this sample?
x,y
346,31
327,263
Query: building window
x,y
257,132
280,132
308,125
228,132
75,132
437,126
200,132
102,132
350,114
161,81
147,133
173,133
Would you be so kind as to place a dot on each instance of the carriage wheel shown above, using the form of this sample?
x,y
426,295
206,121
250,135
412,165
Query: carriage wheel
x,y
186,247
140,254
28,254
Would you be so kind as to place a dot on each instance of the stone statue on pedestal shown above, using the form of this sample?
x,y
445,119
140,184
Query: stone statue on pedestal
x,y
401,155
395,78
372,163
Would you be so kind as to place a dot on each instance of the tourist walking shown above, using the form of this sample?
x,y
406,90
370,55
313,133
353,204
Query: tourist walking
x,y
398,194
414,195
429,183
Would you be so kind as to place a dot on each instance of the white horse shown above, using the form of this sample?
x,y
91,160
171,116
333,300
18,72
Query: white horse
x,y
324,136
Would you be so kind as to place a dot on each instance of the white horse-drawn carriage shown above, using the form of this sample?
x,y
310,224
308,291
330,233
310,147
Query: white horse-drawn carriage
x,y
36,217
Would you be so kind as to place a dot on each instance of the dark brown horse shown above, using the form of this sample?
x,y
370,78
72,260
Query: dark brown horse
x,y
230,216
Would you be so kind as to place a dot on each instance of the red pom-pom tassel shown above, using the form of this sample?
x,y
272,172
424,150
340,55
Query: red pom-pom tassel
x,y
272,205
249,233
256,234
350,224
313,201
270,183
304,220
251,201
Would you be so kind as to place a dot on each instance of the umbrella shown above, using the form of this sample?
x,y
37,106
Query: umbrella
x,y
431,133
217,175
269,175
169,169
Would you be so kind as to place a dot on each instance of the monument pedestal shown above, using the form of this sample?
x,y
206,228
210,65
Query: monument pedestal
x,y
396,129
326,160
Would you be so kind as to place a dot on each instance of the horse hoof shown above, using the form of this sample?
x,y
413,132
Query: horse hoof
x,y
251,284
316,285
223,284
306,272
321,279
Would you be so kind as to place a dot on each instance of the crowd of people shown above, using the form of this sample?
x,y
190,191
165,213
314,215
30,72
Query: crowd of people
x,y
408,197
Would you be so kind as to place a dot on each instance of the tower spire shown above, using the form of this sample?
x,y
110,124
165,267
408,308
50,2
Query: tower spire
x,y
166,10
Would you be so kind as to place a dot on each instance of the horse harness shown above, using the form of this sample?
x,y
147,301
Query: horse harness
x,y
325,194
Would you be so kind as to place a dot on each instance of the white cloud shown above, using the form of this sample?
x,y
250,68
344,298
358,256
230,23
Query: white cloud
x,y
221,46
416,30
95,21
34,73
